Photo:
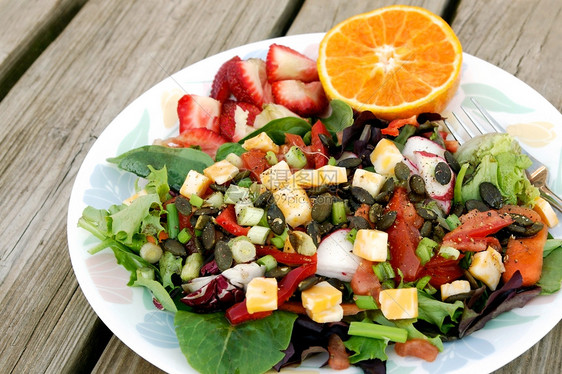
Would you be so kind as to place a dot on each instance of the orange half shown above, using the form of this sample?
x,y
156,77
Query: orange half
x,y
395,61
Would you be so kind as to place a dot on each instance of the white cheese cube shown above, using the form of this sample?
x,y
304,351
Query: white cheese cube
x,y
454,288
334,314
330,174
487,266
371,182
385,156
221,172
544,209
371,245
195,183
293,201
261,142
276,176
306,178
399,303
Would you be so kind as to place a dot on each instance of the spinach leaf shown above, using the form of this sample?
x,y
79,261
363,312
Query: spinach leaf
x,y
340,118
551,272
366,348
212,345
277,129
227,148
178,162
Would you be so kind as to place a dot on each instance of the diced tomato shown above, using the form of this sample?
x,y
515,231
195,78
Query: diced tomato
x,y
393,126
339,358
364,281
404,235
227,220
320,150
419,348
255,161
441,270
473,232
451,145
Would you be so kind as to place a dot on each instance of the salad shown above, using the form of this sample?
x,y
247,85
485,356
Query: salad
x,y
295,233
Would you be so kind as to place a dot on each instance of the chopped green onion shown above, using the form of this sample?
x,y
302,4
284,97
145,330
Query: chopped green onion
x,y
457,192
371,330
449,252
295,157
332,161
365,302
192,267
242,249
173,220
384,271
338,213
250,216
425,250
422,282
216,200
279,240
184,236
258,234
196,200
268,261
271,158
145,273
352,235
307,138
245,182
453,221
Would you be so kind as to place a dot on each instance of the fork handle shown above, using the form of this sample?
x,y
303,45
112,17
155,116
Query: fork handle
x,y
551,197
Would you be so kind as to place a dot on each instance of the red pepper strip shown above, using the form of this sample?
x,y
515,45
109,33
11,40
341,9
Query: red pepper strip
x,y
238,313
320,150
291,259
227,220
393,126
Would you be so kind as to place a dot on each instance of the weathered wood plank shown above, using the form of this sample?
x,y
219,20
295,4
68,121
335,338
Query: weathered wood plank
x,y
26,29
523,38
322,15
110,53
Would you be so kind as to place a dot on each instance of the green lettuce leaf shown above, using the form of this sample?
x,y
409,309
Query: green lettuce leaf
x,y
443,315
228,148
169,264
127,221
366,348
551,276
212,345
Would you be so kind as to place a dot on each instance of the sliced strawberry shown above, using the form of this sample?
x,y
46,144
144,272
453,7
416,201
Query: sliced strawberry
x,y
285,63
208,140
220,89
305,99
247,78
237,114
196,111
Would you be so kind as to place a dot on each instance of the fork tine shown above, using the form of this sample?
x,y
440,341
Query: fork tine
x,y
454,131
466,127
487,115
476,124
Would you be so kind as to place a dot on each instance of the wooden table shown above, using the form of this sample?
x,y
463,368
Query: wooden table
x,y
68,67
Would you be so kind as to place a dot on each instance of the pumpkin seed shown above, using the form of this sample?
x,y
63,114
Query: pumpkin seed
x,y
402,171
442,173
202,222
516,229
327,141
322,207
241,175
521,219
426,229
174,247
308,282
349,163
263,199
417,184
386,220
362,196
491,195
358,223
183,206
375,212
476,204
278,272
452,161
275,219
438,233
207,211
388,186
223,255
426,214
315,191
533,229
313,229
208,236
415,198
218,187
382,197
326,227
458,209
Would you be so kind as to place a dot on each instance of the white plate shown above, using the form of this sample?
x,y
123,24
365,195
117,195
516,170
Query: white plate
x,y
129,313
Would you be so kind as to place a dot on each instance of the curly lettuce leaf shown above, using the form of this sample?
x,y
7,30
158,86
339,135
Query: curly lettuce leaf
x,y
443,315
212,345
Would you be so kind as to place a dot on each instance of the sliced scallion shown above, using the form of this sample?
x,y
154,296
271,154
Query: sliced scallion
x,y
371,330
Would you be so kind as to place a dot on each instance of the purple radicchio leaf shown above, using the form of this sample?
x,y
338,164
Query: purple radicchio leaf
x,y
510,296
373,366
210,268
428,117
288,353
218,294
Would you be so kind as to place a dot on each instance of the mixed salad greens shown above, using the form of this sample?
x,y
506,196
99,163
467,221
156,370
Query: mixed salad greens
x,y
344,234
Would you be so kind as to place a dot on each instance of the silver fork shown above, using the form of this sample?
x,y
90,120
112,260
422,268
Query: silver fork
x,y
537,172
